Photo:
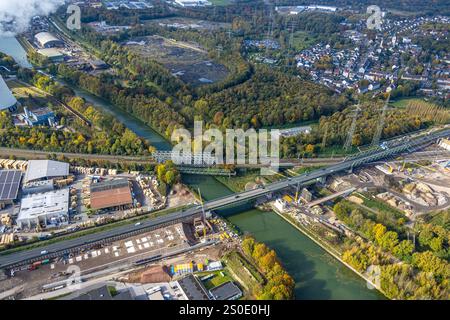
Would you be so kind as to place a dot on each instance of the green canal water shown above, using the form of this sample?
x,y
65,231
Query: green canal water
x,y
12,47
317,274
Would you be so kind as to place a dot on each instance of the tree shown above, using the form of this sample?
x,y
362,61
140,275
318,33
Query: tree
x,y
379,230
247,246
404,250
170,177
388,240
341,211
259,251
268,261
436,244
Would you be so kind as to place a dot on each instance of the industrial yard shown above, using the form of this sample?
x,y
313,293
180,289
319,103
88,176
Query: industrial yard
x,y
69,198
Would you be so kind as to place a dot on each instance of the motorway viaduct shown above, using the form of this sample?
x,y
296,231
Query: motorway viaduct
x,y
57,249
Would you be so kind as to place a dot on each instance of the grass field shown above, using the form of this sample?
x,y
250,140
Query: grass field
x,y
237,183
380,206
245,271
293,125
403,103
219,278
21,91
441,218
220,2
303,40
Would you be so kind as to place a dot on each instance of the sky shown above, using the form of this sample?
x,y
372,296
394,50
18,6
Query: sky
x,y
15,15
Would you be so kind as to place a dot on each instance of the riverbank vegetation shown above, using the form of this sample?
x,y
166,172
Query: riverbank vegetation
x,y
279,284
260,271
409,270
104,135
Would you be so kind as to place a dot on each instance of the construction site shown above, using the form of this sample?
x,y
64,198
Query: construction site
x,y
162,254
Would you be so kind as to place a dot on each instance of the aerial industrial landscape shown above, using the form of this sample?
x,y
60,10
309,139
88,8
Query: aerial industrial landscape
x,y
224,150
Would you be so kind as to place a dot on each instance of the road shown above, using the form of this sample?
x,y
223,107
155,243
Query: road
x,y
59,248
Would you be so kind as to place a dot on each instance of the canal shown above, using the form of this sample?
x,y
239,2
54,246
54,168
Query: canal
x,y
317,274
11,47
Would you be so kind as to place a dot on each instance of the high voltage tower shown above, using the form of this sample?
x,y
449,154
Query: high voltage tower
x,y
325,136
219,50
291,28
271,21
377,136
351,132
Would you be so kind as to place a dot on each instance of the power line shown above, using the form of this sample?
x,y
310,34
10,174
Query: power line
x,y
378,132
351,132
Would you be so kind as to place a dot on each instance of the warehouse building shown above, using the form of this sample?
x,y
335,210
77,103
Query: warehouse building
x,y
48,40
38,170
111,194
49,209
103,293
192,288
54,55
7,100
226,291
9,185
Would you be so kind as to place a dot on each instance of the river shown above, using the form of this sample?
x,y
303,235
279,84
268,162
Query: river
x,y
317,274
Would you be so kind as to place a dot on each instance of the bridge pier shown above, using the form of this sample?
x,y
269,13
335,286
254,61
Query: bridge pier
x,y
322,180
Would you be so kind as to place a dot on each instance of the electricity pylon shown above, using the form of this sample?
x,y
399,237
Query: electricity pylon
x,y
377,136
351,132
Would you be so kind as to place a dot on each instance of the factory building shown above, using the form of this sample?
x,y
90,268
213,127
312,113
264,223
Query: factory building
x,y
38,187
9,185
48,40
49,209
54,55
38,170
7,100
226,291
111,194
40,116
98,64
192,288
444,144
193,3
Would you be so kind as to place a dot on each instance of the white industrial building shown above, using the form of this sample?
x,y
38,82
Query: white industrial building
x,y
47,40
45,169
193,3
49,209
7,100
445,144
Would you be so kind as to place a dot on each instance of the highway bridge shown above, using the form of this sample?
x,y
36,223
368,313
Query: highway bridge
x,y
406,145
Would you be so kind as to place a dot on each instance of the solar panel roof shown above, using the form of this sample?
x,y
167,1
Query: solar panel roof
x,y
9,184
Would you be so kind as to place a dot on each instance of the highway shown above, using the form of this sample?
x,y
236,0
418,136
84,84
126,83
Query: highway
x,y
57,249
